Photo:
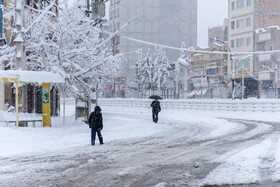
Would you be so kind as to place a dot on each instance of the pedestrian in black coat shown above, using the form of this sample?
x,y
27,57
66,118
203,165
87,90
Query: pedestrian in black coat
x,y
156,109
96,124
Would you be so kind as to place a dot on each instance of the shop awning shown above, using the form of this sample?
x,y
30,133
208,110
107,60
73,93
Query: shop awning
x,y
193,92
38,77
204,90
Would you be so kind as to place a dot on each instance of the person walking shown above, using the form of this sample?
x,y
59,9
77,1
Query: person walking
x,y
96,125
156,109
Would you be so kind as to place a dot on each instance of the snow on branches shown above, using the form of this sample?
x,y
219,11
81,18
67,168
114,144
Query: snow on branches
x,y
69,45
155,72
7,50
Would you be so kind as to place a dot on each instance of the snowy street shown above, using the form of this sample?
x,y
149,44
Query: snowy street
x,y
183,149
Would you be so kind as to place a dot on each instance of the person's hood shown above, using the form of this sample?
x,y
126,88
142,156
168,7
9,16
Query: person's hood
x,y
97,109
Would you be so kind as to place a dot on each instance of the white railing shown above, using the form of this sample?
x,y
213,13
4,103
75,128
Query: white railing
x,y
253,105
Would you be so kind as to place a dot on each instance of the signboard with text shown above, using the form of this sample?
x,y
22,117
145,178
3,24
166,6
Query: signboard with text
x,y
199,82
239,73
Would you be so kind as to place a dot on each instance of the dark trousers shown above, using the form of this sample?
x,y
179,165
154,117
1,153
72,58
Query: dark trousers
x,y
155,116
93,135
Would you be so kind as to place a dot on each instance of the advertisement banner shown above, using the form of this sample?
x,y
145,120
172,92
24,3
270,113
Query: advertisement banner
x,y
46,95
239,73
199,82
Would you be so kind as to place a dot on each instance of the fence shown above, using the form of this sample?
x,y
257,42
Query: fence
x,y
253,105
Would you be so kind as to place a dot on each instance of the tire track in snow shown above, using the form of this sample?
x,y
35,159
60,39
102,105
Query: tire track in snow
x,y
139,162
266,166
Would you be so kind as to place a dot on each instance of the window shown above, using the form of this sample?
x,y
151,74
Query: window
x,y
249,2
248,41
248,22
240,4
260,46
232,5
232,43
264,46
240,24
232,25
240,42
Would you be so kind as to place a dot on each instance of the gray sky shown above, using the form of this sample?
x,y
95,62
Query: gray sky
x,y
210,13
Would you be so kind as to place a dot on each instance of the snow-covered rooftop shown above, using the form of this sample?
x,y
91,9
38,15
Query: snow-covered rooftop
x,y
32,76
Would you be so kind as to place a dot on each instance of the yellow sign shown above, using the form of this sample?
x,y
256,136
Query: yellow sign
x,y
239,73
46,105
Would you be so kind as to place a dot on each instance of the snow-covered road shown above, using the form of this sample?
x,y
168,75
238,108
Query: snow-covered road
x,y
185,148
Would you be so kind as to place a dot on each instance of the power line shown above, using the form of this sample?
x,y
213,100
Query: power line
x,y
198,51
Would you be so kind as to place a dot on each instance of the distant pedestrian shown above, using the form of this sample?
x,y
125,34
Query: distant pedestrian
x,y
96,124
156,109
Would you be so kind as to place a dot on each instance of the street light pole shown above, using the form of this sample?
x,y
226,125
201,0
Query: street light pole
x,y
201,85
242,97
276,81
242,84
232,62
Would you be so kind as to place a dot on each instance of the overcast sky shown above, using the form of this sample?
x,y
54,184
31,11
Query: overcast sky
x,y
210,13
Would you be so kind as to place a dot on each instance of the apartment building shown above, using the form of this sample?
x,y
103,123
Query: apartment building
x,y
166,22
267,65
246,16
208,72
218,32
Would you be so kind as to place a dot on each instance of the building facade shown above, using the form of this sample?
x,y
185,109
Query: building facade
x,y
208,73
166,22
219,32
267,64
246,16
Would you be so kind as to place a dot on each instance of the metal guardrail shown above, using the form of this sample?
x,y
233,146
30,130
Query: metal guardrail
x,y
253,105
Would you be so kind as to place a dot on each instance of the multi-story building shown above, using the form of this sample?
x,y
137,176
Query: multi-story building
x,y
219,32
246,16
208,72
166,22
266,65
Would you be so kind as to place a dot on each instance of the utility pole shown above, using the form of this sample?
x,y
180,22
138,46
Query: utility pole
x,y
242,97
19,40
276,81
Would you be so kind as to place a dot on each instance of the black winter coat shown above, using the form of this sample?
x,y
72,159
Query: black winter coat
x,y
95,120
156,106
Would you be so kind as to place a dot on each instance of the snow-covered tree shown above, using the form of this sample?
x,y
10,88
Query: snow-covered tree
x,y
71,45
161,68
146,68
7,50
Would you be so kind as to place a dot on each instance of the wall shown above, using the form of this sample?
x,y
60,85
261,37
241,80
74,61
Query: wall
x,y
252,105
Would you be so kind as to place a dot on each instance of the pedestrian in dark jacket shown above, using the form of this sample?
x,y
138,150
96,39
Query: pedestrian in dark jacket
x,y
96,124
156,109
